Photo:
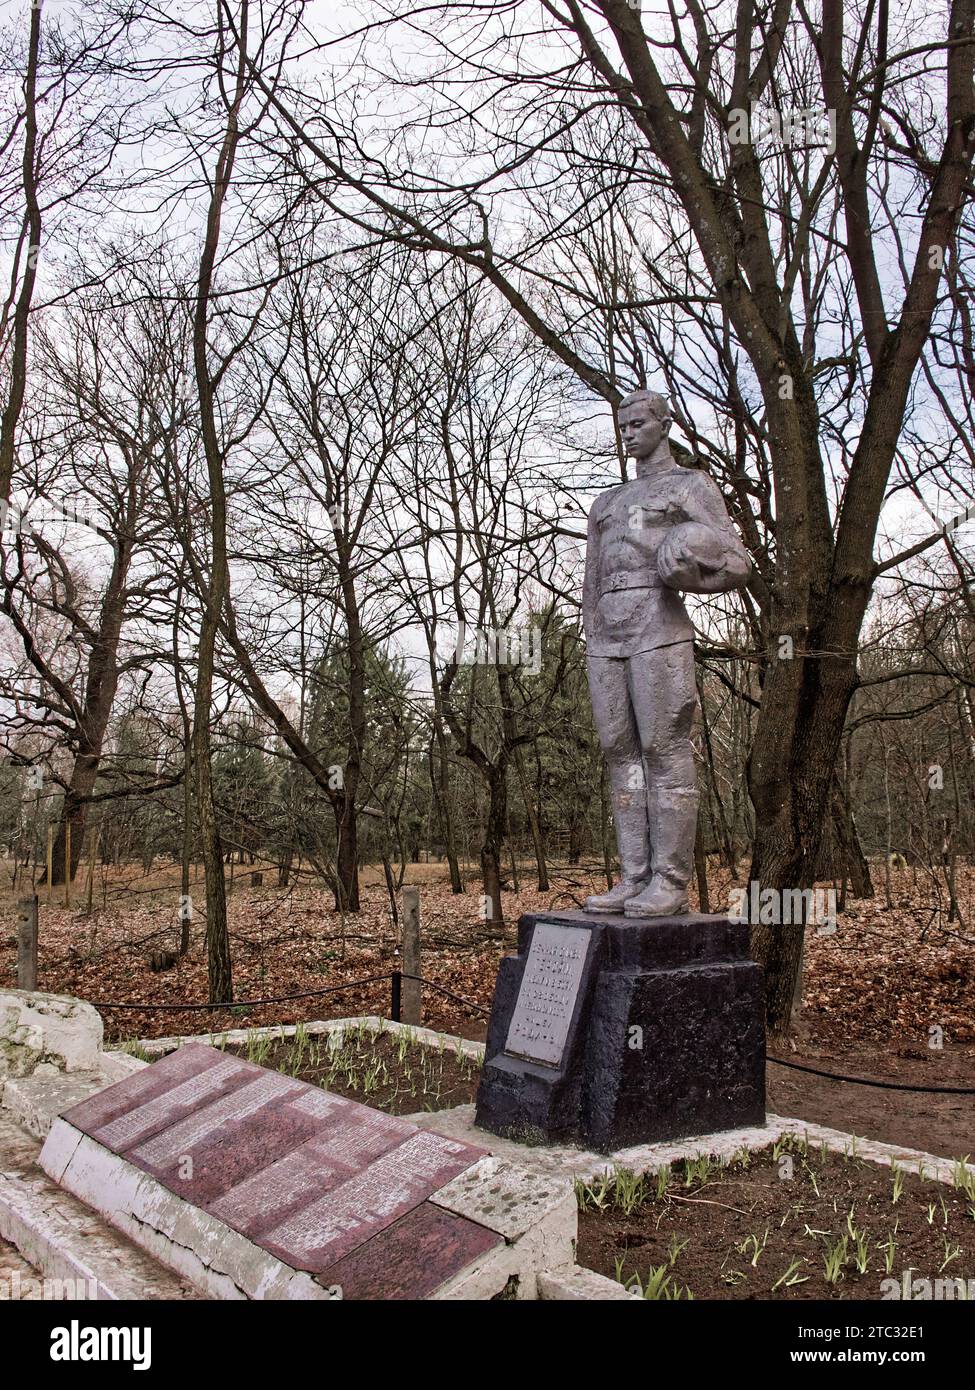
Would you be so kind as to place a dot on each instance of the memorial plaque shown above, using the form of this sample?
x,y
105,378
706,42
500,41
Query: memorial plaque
x,y
322,1231
186,1064
266,1198
413,1257
206,1154
547,996
306,1175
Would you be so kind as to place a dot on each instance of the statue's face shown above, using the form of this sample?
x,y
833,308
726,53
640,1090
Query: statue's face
x,y
641,430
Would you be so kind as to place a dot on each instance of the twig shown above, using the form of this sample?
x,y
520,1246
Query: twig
x,y
706,1201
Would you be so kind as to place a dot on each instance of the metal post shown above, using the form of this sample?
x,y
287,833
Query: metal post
x,y
411,955
27,943
396,983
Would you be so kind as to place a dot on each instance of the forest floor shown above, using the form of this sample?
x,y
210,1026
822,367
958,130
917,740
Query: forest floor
x,y
888,995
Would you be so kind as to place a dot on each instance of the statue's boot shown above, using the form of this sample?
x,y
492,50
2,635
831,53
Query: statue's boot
x,y
633,843
673,825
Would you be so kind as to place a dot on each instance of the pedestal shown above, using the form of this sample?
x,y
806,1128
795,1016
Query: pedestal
x,y
610,1031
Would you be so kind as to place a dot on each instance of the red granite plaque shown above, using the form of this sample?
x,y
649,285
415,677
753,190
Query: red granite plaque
x,y
413,1257
187,1066
309,1176
324,1230
351,1142
206,1153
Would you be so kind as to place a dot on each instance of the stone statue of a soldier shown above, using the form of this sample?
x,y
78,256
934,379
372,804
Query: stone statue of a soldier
x,y
663,531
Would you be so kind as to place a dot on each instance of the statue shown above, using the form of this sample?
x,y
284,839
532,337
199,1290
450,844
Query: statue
x,y
664,531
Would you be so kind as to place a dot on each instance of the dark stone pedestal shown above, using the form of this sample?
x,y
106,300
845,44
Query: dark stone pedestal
x,y
624,1031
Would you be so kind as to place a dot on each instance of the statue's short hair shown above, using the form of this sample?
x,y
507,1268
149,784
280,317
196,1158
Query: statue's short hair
x,y
659,405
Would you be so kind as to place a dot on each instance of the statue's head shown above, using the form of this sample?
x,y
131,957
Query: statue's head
x,y
645,422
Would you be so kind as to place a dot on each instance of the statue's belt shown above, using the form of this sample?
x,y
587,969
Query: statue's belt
x,y
617,582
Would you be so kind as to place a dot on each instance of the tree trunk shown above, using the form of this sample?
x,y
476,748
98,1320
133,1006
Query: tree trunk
x,y
723,834
284,868
492,848
536,830
186,844
791,773
17,363
347,855
440,787
391,890
101,684
216,589
74,812
841,854
701,868
344,800
576,827
219,971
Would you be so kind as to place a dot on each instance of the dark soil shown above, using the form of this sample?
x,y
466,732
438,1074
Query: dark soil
x,y
796,1205
938,1124
380,1071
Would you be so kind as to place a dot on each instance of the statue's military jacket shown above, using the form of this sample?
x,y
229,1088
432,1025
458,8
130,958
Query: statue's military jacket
x,y
626,607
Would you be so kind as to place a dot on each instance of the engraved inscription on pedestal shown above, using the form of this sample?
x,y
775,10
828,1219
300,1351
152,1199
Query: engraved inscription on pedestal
x,y
547,996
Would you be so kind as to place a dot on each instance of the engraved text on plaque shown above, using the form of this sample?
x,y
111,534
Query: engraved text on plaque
x,y
547,996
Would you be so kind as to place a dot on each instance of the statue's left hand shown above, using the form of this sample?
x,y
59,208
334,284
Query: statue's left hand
x,y
696,558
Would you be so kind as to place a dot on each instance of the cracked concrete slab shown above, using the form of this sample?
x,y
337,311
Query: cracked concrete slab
x,y
202,1250
57,1238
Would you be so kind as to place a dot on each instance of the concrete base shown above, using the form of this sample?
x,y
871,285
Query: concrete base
x,y
66,1249
66,1244
551,1159
576,1161
36,1101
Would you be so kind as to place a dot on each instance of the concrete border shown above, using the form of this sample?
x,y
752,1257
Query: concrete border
x,y
544,1159
371,1023
853,1146
583,1285
62,1240
65,1242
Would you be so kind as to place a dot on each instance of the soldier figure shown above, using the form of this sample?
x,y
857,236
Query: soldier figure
x,y
663,531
